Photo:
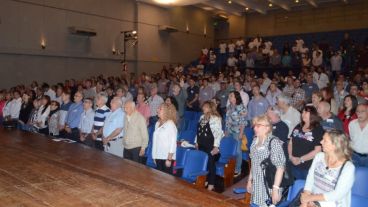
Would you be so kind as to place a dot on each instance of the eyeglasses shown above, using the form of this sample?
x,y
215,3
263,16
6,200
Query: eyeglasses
x,y
259,125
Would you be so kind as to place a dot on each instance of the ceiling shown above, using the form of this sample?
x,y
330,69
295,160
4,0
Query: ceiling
x,y
241,7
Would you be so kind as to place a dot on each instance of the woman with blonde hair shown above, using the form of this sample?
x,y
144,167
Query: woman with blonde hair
x,y
164,138
264,146
209,135
331,175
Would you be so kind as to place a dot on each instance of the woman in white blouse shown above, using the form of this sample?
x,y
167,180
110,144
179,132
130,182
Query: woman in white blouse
x,y
42,115
331,175
164,138
208,138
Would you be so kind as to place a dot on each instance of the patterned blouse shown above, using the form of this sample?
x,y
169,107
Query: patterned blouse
x,y
216,128
236,116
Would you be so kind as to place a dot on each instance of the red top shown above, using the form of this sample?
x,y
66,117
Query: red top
x,y
2,104
346,120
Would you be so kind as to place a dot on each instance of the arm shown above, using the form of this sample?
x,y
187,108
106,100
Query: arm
x,y
144,133
114,134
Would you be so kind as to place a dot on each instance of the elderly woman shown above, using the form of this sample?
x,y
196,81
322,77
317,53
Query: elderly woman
x,y
305,141
164,138
259,151
235,123
331,175
208,138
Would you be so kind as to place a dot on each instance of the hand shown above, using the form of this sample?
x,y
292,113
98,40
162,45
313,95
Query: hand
x,y
249,187
240,136
196,146
168,163
294,160
142,152
105,141
215,150
94,136
305,198
61,127
82,138
67,129
226,133
275,196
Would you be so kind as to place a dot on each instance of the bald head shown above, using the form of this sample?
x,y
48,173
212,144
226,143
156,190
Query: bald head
x,y
116,103
324,109
129,107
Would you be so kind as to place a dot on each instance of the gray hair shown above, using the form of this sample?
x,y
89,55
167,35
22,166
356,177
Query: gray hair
x,y
118,101
103,96
132,103
276,110
284,98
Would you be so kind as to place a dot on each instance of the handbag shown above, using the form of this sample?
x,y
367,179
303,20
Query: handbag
x,y
296,202
269,171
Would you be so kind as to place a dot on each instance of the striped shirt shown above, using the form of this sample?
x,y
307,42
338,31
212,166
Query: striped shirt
x,y
100,116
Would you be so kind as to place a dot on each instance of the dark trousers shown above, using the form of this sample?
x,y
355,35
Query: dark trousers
x,y
99,145
133,154
211,166
44,131
73,135
162,167
89,141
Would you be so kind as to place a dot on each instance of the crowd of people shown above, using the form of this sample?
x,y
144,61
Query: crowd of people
x,y
317,110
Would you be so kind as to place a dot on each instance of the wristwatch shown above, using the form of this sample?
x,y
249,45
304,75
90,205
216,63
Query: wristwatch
x,y
301,160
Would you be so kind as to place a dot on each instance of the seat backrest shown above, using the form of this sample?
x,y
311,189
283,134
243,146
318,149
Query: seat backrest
x,y
195,161
294,189
189,115
228,149
360,186
358,201
188,135
181,155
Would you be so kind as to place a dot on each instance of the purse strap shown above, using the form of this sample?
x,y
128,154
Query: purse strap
x,y
338,176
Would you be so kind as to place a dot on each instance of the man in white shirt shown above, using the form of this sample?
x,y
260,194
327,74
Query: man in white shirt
x,y
231,61
231,47
320,78
358,130
289,115
48,91
13,107
317,60
336,62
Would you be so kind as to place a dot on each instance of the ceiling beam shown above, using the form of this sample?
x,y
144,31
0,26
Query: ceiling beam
x,y
252,5
224,6
313,3
281,3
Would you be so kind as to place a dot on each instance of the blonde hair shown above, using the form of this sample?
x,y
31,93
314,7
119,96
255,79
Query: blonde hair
x,y
263,118
169,112
341,143
213,108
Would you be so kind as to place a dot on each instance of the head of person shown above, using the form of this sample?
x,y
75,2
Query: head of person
x,y
87,104
88,83
262,126
324,110
283,102
273,87
176,89
172,100
237,85
327,94
297,83
129,107
45,87
78,97
350,103
223,85
235,98
153,90
336,143
54,105
362,112
140,98
25,98
205,82
209,108
116,103
191,82
290,81
310,117
316,98
274,114
354,90
166,112
309,78
45,100
65,97
120,92
101,99
59,91
339,85
256,90
36,103
16,94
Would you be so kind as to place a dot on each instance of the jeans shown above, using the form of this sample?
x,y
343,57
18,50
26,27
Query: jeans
x,y
133,154
239,158
299,174
360,161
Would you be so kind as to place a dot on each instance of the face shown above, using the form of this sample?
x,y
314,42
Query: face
x,y
327,144
65,97
237,86
353,90
339,85
128,107
261,128
140,98
100,101
59,91
348,102
78,97
119,92
362,113
114,104
176,90
232,98
87,104
206,109
315,99
255,91
16,95
168,101
153,91
25,97
160,112
297,83
44,101
53,106
305,116
273,87
36,103
270,114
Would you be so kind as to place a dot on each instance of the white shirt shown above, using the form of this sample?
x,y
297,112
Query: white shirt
x,y
215,86
41,117
51,94
358,137
164,140
291,118
321,80
222,48
231,47
12,109
231,61
314,53
336,62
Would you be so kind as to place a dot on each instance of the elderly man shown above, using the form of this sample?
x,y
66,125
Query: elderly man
x,y
154,102
289,114
358,129
279,128
329,120
136,135
86,123
101,113
112,132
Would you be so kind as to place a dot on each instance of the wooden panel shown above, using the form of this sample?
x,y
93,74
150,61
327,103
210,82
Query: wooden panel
x,y
36,171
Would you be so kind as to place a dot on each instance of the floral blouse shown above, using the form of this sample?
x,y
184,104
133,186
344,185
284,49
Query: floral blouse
x,y
235,117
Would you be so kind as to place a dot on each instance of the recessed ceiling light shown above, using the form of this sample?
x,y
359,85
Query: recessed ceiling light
x,y
270,5
229,2
296,1
246,8
165,1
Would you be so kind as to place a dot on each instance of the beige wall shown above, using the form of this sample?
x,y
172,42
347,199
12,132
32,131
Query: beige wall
x,y
332,18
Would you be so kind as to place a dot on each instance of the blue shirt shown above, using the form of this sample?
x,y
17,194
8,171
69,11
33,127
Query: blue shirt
x,y
114,121
332,123
86,122
257,107
309,89
74,115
